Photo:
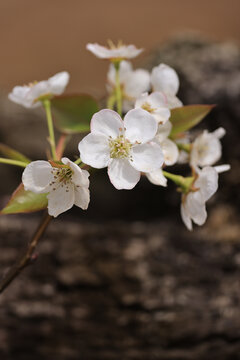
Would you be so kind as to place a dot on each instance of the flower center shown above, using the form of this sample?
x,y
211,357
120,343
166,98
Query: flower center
x,y
62,177
119,147
146,106
112,46
33,83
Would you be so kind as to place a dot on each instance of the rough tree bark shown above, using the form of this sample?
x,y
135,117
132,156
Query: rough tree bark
x,y
124,291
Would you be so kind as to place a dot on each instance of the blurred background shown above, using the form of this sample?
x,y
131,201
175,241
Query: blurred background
x,y
124,280
39,39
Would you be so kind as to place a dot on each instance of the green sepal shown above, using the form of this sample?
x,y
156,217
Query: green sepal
x,y
185,183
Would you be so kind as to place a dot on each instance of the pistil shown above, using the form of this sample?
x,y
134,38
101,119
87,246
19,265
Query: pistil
x,y
119,147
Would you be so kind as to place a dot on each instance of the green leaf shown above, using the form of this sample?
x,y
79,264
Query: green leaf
x,y
72,113
12,154
185,117
23,201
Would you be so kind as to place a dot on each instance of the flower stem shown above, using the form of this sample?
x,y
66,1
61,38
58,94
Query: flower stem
x,y
111,101
185,183
13,162
78,161
28,256
118,88
47,105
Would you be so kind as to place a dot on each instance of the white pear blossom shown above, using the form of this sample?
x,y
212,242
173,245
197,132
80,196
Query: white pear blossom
x,y
133,83
156,104
125,147
170,152
165,79
114,52
193,206
29,95
206,148
66,184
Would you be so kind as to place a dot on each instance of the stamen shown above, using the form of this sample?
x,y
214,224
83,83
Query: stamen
x,y
112,46
62,177
119,147
146,106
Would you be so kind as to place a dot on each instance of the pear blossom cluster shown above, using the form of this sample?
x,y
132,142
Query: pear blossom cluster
x,y
131,137
134,83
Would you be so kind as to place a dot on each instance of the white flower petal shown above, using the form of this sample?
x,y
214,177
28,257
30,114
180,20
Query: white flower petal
x,y
163,131
94,150
196,208
19,96
140,126
173,101
219,133
107,122
206,150
193,206
161,115
79,177
170,151
207,182
157,103
98,50
37,90
156,177
147,157
201,216
58,82
133,82
124,51
61,199
164,78
186,217
222,168
124,70
142,99
82,197
130,51
18,93
27,96
136,83
122,175
37,176
157,99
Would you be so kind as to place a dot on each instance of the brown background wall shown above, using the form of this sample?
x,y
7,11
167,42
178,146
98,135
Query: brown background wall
x,y
40,38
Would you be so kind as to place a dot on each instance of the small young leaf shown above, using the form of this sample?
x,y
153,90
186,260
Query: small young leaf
x,y
72,113
12,154
185,117
23,201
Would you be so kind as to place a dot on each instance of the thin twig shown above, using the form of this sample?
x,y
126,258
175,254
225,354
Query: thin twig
x,y
28,257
